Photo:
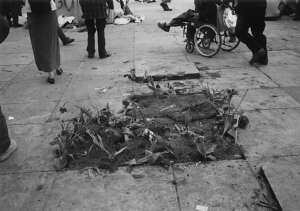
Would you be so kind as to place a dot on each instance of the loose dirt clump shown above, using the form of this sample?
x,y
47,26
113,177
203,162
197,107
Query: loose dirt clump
x,y
152,129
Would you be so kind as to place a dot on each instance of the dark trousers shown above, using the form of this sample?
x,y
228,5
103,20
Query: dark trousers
x,y
254,20
188,16
4,138
93,25
298,9
61,34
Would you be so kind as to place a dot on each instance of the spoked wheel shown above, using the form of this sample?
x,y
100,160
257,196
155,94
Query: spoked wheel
x,y
229,41
189,46
207,40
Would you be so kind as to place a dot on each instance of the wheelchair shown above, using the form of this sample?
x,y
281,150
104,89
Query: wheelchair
x,y
208,40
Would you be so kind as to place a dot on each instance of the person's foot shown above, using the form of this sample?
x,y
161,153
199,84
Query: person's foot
x,y
51,78
68,40
17,25
106,55
59,71
232,39
164,26
91,55
165,7
258,56
296,18
264,60
12,147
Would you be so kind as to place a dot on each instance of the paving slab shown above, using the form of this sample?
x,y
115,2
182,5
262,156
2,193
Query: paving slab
x,y
283,176
118,191
34,152
271,133
225,185
270,98
7,73
35,90
16,59
239,78
294,92
24,191
28,113
283,75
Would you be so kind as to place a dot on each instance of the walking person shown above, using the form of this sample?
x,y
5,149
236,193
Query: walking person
x,y
165,6
251,15
95,14
43,27
7,145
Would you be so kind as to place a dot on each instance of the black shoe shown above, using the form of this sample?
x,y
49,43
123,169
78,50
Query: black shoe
x,y
91,55
264,60
164,27
258,56
51,80
68,40
296,18
165,7
104,56
17,25
59,71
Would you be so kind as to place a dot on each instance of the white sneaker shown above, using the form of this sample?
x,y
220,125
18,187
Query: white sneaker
x,y
12,147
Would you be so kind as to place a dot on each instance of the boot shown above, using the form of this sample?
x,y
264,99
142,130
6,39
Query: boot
x,y
165,7
260,57
164,27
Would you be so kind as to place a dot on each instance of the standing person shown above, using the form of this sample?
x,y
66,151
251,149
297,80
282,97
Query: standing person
x,y
7,145
251,15
95,14
165,6
43,26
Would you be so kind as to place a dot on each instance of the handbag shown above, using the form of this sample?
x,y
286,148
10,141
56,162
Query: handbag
x,y
4,28
40,6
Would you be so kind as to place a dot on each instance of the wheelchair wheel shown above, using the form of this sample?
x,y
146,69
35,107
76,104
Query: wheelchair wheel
x,y
189,46
229,42
207,40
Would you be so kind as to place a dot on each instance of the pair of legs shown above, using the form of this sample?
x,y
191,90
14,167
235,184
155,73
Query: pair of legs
x,y
7,146
98,25
188,16
257,42
65,40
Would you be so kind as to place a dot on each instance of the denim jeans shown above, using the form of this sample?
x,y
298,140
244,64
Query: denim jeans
x,y
4,138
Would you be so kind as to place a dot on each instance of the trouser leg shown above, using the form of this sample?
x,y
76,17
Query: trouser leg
x,y
242,32
100,24
258,26
61,34
190,32
4,138
184,17
90,25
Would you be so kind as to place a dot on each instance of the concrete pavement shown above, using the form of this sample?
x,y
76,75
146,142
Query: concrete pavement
x,y
28,180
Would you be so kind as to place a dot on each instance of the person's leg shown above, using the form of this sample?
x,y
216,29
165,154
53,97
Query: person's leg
x,y
100,24
90,25
164,5
177,21
4,138
297,17
258,26
65,40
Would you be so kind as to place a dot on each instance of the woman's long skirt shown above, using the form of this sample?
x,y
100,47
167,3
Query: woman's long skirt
x,y
44,40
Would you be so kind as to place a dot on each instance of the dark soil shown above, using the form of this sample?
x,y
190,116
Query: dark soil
x,y
152,130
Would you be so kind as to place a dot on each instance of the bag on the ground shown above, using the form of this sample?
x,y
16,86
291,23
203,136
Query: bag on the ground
x,y
40,6
4,28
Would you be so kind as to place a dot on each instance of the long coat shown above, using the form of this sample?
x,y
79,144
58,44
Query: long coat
x,y
95,9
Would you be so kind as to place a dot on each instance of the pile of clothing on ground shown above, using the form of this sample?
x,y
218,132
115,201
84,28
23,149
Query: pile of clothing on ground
x,y
123,15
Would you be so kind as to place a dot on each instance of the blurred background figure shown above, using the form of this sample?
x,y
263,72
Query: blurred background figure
x,y
165,6
12,9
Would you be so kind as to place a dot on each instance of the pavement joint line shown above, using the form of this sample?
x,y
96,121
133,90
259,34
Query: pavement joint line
x,y
271,109
257,158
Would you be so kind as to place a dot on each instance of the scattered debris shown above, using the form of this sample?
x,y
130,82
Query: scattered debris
x,y
158,128
201,208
